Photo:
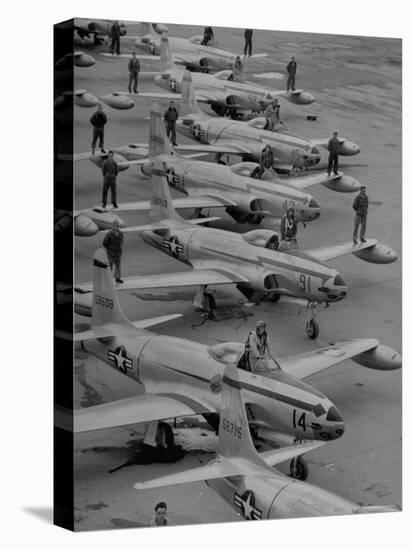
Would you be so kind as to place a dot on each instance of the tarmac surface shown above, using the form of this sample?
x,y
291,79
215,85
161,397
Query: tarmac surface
x,y
357,85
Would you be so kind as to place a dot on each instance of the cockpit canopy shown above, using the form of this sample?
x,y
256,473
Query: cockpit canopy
x,y
265,238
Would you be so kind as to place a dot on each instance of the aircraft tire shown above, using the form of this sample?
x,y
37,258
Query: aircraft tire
x,y
299,468
164,437
312,329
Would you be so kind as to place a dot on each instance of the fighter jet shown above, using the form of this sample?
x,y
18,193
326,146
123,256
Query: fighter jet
x,y
98,29
251,261
189,52
280,150
178,377
220,90
235,188
86,222
246,479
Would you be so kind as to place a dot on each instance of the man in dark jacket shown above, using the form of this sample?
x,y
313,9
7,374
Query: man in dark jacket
x,y
248,42
170,116
360,205
113,243
134,68
208,36
333,148
110,171
291,68
98,121
115,34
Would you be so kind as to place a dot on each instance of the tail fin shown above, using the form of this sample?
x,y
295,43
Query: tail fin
x,y
165,52
147,28
105,306
234,434
188,103
158,140
162,205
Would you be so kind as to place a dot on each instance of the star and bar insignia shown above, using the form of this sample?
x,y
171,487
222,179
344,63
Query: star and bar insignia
x,y
246,504
197,132
173,246
120,359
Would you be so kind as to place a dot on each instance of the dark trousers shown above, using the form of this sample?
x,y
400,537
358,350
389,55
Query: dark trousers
x,y
98,133
248,46
133,80
109,182
171,131
359,221
116,44
333,162
291,82
114,262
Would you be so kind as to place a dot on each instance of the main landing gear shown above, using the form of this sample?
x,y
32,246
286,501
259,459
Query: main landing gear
x,y
299,468
159,444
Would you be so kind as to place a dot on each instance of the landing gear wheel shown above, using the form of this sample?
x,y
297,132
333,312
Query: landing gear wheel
x,y
164,436
299,468
312,329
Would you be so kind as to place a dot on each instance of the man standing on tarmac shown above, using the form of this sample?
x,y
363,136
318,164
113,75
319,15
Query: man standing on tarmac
x,y
170,116
134,68
98,121
115,34
110,170
291,68
333,148
360,205
113,243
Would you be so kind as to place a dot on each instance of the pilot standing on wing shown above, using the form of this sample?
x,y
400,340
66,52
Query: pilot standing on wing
x,y
360,205
333,148
134,68
248,42
291,68
115,34
170,116
289,229
259,347
98,121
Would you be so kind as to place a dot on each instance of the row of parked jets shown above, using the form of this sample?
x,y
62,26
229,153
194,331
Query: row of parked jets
x,y
179,377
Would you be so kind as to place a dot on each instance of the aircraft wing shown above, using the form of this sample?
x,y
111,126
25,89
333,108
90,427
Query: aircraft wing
x,y
129,55
109,330
303,182
136,410
311,362
180,203
323,254
195,277
159,225
220,147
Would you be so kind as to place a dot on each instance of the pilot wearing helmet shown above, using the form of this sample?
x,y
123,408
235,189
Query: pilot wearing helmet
x,y
257,350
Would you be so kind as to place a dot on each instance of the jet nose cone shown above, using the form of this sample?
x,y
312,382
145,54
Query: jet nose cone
x,y
313,210
334,426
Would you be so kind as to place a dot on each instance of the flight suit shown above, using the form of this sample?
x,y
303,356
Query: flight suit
x,y
110,171
170,116
333,148
360,205
291,69
134,68
98,121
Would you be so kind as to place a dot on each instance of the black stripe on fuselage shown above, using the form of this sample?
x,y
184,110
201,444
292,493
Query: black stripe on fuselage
x,y
254,389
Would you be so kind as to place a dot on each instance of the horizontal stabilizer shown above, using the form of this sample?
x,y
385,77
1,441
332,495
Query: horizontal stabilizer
x,y
111,330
